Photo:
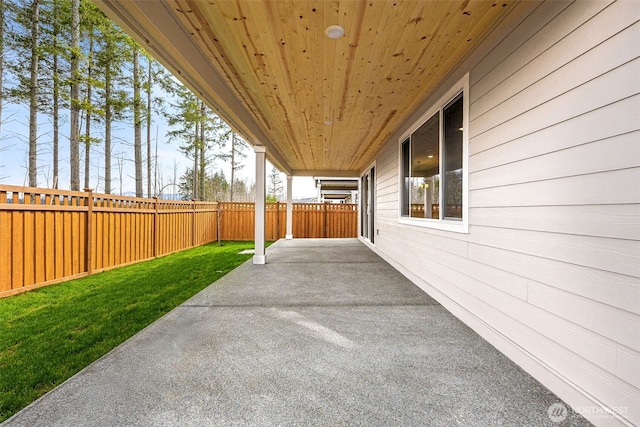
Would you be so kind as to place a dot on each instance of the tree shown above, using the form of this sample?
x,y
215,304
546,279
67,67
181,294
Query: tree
x,y
137,120
238,154
243,193
148,88
109,63
56,93
74,114
218,187
275,184
2,27
33,98
185,119
24,66
24,59
88,108
54,73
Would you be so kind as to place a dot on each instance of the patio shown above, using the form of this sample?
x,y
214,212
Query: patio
x,y
326,333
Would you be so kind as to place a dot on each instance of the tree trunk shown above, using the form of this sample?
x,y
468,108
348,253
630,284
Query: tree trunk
x,y
87,134
194,190
2,7
233,164
33,92
74,135
203,118
149,82
107,127
56,96
137,121
120,168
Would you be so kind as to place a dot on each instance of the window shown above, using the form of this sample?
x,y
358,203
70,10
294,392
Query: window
x,y
433,159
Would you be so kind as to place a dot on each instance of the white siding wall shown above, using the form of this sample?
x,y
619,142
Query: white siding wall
x,y
549,271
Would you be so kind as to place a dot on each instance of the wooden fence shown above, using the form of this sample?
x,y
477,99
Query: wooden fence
x,y
309,220
49,236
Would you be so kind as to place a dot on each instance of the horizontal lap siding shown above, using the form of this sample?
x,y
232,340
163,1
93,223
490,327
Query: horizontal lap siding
x,y
549,270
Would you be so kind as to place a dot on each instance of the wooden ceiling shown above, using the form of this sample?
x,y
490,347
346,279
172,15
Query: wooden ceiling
x,y
269,70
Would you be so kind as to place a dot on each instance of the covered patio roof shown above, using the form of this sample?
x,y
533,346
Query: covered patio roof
x,y
320,106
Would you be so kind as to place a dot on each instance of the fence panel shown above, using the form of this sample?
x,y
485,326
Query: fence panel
x,y
237,221
48,236
341,220
310,220
42,235
275,221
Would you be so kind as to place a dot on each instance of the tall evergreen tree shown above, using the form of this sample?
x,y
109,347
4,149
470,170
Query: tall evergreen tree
x,y
56,92
109,63
33,94
275,184
137,120
238,154
71,44
202,144
74,115
149,88
184,119
2,32
88,108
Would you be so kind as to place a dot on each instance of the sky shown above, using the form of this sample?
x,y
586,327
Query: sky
x,y
14,157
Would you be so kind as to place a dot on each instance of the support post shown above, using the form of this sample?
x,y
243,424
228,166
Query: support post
x,y
289,221
261,155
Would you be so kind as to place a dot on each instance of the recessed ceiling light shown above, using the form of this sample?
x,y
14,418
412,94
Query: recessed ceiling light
x,y
328,122
431,156
334,31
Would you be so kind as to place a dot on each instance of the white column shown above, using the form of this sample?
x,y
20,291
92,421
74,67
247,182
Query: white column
x,y
289,235
261,157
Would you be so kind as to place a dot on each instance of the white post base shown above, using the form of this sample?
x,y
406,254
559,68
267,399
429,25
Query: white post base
x,y
259,259
289,237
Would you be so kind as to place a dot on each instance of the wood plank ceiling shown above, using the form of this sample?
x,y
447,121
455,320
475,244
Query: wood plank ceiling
x,y
321,106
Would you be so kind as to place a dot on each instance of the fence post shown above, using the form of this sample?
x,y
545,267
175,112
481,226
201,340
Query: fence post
x,y
218,213
193,224
277,219
324,215
155,227
89,232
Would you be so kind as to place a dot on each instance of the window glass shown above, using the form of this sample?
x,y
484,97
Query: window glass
x,y
425,165
406,151
452,188
430,156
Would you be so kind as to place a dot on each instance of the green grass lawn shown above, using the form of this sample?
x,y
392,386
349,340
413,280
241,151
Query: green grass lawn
x,y
49,334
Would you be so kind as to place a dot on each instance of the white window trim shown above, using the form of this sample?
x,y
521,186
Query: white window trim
x,y
442,224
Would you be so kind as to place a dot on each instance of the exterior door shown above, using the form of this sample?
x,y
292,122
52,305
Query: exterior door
x,y
367,204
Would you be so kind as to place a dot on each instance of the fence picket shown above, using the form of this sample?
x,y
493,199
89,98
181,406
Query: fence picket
x,y
48,236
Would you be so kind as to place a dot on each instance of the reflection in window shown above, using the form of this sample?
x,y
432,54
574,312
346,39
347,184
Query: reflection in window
x,y
453,159
425,160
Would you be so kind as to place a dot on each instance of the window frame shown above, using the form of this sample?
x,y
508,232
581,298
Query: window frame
x,y
454,225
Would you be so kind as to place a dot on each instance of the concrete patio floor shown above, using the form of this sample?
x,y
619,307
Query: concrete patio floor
x,y
325,334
